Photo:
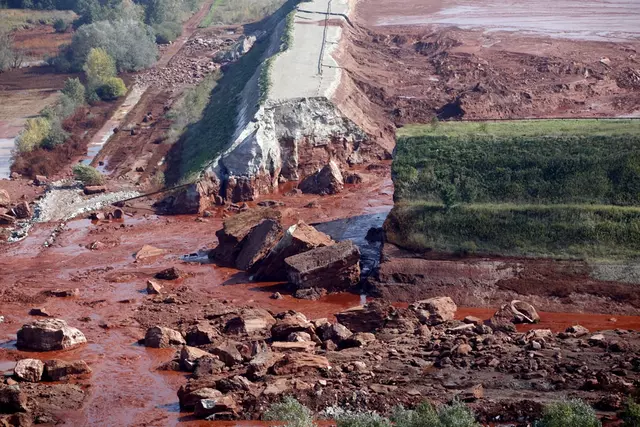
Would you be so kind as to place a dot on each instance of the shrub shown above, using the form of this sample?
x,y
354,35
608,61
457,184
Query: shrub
x,y
426,415
88,175
34,133
60,25
570,413
631,415
290,411
112,88
56,136
360,419
74,90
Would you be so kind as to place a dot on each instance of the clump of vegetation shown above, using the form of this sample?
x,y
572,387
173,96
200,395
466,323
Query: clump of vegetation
x,y
100,69
291,412
427,415
34,133
570,413
129,42
360,419
88,175
60,25
112,88
630,416
10,57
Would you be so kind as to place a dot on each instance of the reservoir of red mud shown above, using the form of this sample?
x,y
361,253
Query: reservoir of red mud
x,y
608,20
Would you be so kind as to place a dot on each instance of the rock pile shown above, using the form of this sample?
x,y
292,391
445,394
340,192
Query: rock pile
x,y
378,356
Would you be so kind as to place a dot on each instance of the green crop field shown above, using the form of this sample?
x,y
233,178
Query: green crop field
x,y
539,188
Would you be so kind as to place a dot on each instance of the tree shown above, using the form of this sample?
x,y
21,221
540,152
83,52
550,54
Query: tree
x,y
74,90
9,56
35,131
99,67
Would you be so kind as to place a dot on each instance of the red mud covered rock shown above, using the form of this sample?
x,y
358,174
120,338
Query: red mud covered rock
x,y
29,370
55,369
22,210
48,335
94,189
335,267
12,399
434,311
297,239
233,236
160,337
290,322
367,318
327,180
297,363
250,321
5,199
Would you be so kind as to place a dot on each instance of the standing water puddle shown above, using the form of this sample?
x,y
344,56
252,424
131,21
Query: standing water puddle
x,y
6,145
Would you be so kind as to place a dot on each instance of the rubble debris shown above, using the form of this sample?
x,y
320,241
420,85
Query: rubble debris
x,y
160,337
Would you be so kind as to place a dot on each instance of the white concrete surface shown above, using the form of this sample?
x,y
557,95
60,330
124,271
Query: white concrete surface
x,y
294,73
6,145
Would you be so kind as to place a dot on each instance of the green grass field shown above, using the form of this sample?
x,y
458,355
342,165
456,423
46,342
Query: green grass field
x,y
534,188
15,19
229,12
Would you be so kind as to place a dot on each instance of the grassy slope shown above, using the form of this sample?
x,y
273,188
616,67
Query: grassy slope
x,y
539,188
527,162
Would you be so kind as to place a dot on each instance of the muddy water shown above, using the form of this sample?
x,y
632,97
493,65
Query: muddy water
x,y
6,145
612,20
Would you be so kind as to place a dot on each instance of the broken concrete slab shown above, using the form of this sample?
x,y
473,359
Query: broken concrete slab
x,y
231,238
148,251
297,239
335,267
262,238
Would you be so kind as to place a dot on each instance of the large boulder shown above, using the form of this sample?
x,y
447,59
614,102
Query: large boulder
x,y
189,395
5,199
516,312
190,355
328,180
29,370
299,238
231,238
160,337
202,335
223,407
258,243
55,369
368,318
49,335
334,332
228,352
434,311
335,267
250,321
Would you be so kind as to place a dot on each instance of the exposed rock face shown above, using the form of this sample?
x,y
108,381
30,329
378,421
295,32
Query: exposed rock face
x,y
231,239
434,311
55,369
327,180
297,239
29,370
242,46
48,335
193,198
335,267
160,337
516,312
258,243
